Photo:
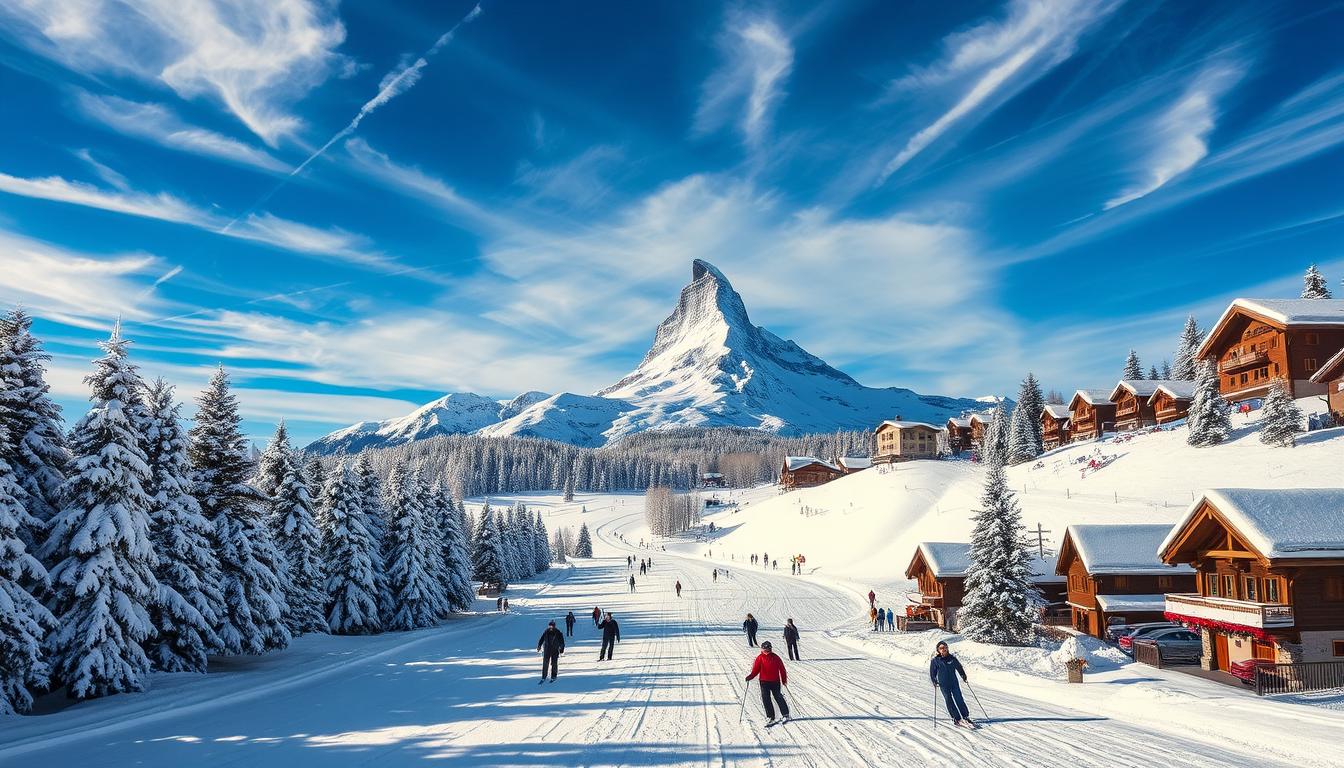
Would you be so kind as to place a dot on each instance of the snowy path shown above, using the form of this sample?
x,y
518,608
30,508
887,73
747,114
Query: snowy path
x,y
672,696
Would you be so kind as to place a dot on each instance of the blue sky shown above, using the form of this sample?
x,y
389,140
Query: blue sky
x,y
358,207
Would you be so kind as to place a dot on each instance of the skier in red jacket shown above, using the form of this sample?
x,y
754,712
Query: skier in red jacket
x,y
773,674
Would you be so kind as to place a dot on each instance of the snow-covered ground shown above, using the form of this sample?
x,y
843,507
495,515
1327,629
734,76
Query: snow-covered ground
x,y
467,691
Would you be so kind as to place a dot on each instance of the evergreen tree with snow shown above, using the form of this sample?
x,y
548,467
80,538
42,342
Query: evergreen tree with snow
x,y
1025,439
37,454
543,544
1166,370
411,576
584,547
995,444
569,488
1152,373
1280,418
351,557
1133,368
559,546
250,566
1314,285
527,540
189,604
291,517
278,451
317,479
1186,365
487,558
456,562
1000,604
431,536
1209,417
508,547
103,578
24,621
375,513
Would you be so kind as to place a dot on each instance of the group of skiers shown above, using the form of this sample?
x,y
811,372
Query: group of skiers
x,y
645,564
883,620
551,645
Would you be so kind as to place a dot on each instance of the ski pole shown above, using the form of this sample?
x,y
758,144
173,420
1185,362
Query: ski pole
x,y
977,700
935,705
741,713
793,700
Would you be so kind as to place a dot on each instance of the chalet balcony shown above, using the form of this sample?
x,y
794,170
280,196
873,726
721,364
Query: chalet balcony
x,y
1125,410
1243,361
1241,612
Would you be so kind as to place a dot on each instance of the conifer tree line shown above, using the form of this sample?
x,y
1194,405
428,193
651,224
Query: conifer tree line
x,y
129,544
510,545
669,513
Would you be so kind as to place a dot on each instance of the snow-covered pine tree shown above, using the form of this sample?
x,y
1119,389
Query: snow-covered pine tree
x,y
38,455
1152,373
487,558
542,547
370,489
569,487
456,562
508,546
103,578
294,529
1025,440
1133,368
994,446
1280,418
1000,604
351,558
431,538
1209,419
24,621
527,540
584,547
1314,285
559,546
189,604
250,565
1186,364
269,472
410,573
317,480
1166,370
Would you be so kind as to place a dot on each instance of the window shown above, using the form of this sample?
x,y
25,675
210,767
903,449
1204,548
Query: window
x,y
1339,647
1211,585
1229,587
1334,588
1312,338
1244,378
1309,363
1271,590
1248,587
1164,583
1263,372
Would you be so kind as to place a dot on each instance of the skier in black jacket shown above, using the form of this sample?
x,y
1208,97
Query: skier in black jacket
x,y
750,627
551,645
791,640
943,671
569,624
611,635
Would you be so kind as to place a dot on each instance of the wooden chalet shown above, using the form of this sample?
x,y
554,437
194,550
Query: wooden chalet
x,y
1331,376
958,434
806,472
1133,398
1114,576
979,423
851,464
906,440
1091,414
938,569
1269,568
1259,340
1055,425
713,480
1171,400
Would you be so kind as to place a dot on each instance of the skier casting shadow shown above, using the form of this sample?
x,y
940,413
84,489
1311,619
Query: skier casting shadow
x,y
773,674
550,646
749,626
943,671
611,635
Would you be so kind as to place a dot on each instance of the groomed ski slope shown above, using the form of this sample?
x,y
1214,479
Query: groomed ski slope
x,y
468,692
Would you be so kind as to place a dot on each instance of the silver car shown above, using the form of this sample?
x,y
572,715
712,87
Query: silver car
x,y
1177,646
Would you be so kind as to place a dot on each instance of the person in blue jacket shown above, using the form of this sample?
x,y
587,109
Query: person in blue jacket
x,y
943,671
891,621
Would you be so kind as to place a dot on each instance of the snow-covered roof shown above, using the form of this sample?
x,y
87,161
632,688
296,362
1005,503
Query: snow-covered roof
x,y
906,425
1181,390
1331,370
1057,410
855,462
958,422
1284,523
712,475
1286,312
1132,603
946,558
1140,387
1093,396
795,463
1128,549
983,418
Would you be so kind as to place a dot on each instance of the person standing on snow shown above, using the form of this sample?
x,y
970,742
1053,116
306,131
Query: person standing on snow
x,y
611,635
943,671
550,646
891,621
597,616
872,599
569,624
881,620
750,626
678,588
791,640
716,574
632,583
773,674
872,616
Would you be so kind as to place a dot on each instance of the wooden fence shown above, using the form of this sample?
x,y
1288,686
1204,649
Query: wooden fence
x,y
1298,678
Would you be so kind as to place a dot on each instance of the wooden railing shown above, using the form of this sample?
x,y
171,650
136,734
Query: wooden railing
x,y
1243,612
1244,360
1148,652
1298,678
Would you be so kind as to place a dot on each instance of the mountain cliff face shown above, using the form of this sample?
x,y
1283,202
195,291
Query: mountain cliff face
x,y
708,367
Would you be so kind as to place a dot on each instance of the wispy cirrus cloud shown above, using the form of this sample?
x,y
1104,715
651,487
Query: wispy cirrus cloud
x,y
983,66
256,58
748,85
156,123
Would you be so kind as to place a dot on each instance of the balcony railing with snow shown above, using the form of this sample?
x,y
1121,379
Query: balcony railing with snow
x,y
1244,360
1243,612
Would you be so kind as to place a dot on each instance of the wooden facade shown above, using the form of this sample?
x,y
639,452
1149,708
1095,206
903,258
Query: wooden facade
x,y
1055,425
1102,590
939,572
979,423
1331,376
1257,341
806,472
1171,401
1268,585
1132,409
851,464
906,440
958,434
1091,414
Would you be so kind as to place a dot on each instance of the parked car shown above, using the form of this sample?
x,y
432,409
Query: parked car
x,y
1177,645
1126,641
1245,670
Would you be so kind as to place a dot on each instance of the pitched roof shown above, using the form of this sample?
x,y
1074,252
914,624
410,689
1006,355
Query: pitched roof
x,y
1132,603
946,558
1092,397
795,463
1285,312
1333,369
1140,387
959,422
1180,390
1057,410
1284,523
907,425
855,462
983,418
1128,549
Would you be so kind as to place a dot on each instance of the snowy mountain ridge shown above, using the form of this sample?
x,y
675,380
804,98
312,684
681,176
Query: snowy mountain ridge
x,y
708,366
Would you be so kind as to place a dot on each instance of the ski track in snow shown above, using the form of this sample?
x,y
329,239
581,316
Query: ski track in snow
x,y
671,696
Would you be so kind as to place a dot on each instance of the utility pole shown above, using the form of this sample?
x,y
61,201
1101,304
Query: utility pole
x,y
1039,535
